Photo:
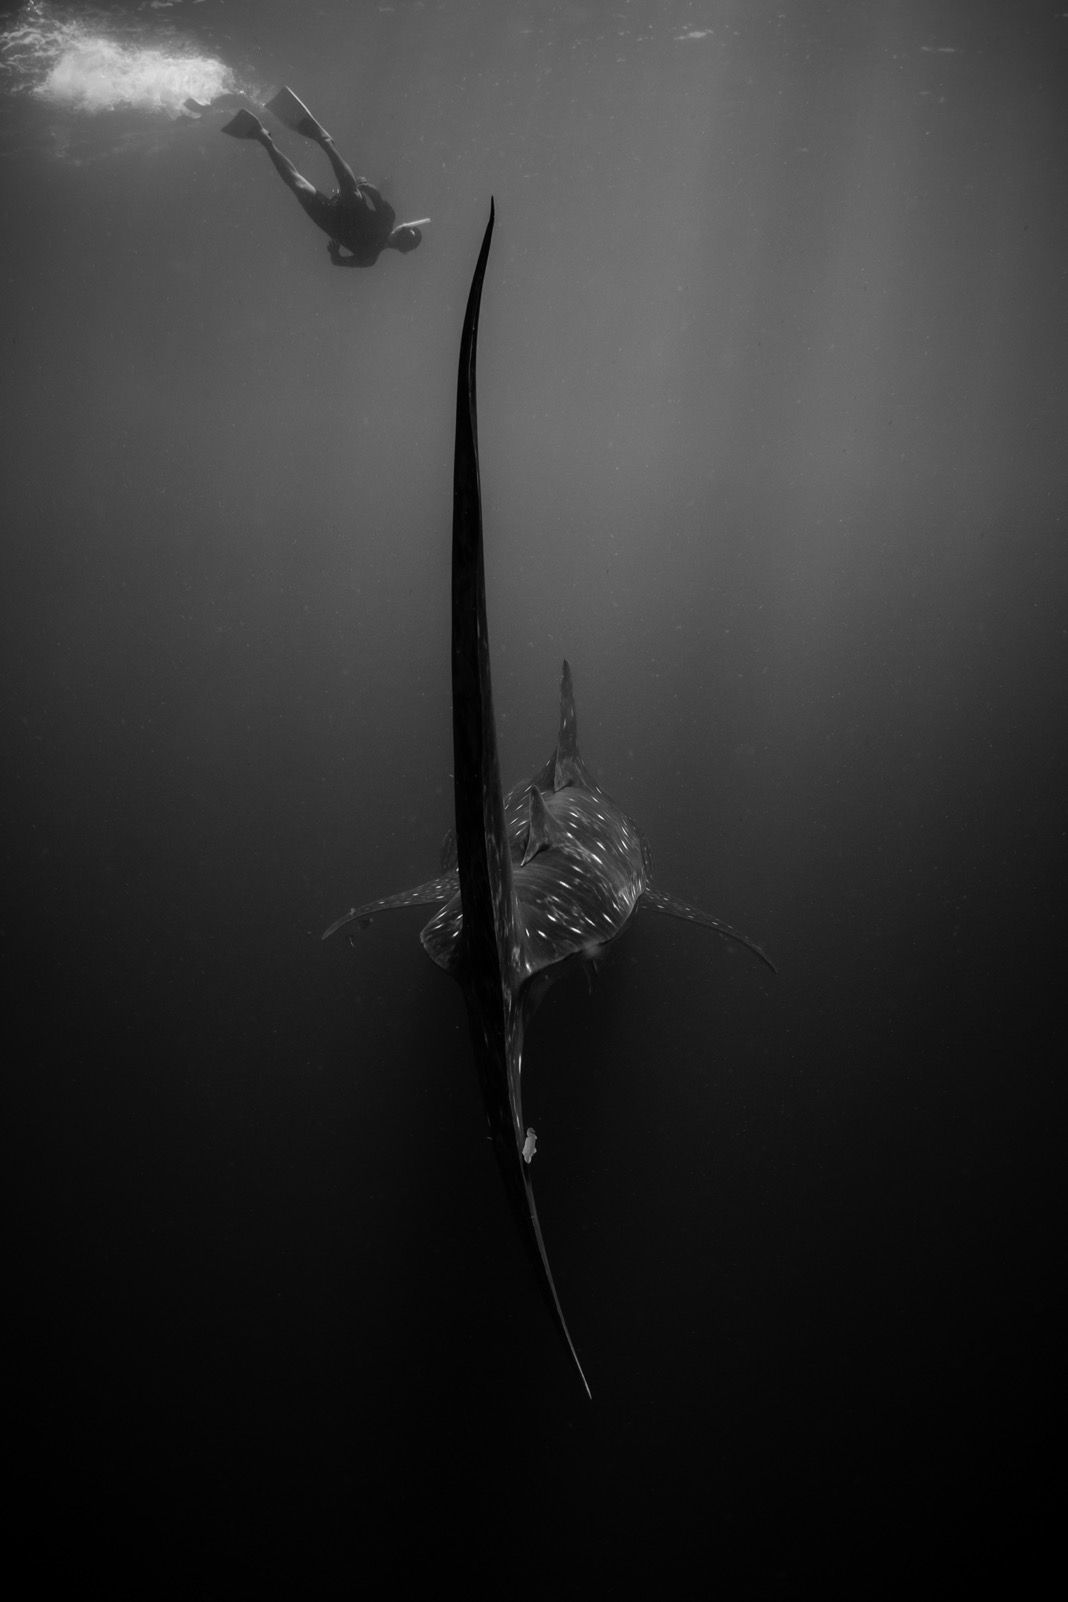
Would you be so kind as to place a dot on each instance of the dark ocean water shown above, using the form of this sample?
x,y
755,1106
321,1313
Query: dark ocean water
x,y
773,431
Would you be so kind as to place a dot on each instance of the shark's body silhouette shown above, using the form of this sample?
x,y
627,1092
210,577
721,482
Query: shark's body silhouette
x,y
553,872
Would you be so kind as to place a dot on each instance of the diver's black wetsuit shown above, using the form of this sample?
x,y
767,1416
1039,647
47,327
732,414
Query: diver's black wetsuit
x,y
355,217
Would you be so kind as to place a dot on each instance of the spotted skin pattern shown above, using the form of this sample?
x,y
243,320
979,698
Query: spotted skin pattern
x,y
577,879
574,896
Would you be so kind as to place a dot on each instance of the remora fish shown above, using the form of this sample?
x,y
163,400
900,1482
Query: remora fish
x,y
552,872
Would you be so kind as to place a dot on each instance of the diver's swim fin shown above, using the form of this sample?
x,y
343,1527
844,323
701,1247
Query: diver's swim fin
x,y
295,114
243,125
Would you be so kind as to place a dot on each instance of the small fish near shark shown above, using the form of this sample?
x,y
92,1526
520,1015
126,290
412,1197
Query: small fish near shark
x,y
548,875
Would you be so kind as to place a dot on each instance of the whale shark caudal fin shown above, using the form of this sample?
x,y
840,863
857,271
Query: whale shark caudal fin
x,y
656,901
492,938
531,881
483,858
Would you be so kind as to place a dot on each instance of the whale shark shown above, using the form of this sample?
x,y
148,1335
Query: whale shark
x,y
531,882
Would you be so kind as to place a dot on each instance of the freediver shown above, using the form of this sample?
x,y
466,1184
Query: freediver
x,y
355,217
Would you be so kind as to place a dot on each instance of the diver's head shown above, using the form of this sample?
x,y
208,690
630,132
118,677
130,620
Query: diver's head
x,y
405,238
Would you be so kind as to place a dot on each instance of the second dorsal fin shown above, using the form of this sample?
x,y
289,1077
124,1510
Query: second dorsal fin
x,y
542,832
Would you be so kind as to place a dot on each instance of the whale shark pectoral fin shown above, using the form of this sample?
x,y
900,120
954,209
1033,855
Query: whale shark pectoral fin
x,y
430,894
658,902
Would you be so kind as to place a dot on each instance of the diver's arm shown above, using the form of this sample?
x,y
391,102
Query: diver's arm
x,y
337,258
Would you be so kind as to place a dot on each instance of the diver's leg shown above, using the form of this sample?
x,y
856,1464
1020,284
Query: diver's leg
x,y
246,126
320,208
285,169
347,181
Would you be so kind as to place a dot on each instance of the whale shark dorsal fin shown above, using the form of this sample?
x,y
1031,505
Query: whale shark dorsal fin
x,y
542,832
568,766
676,908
